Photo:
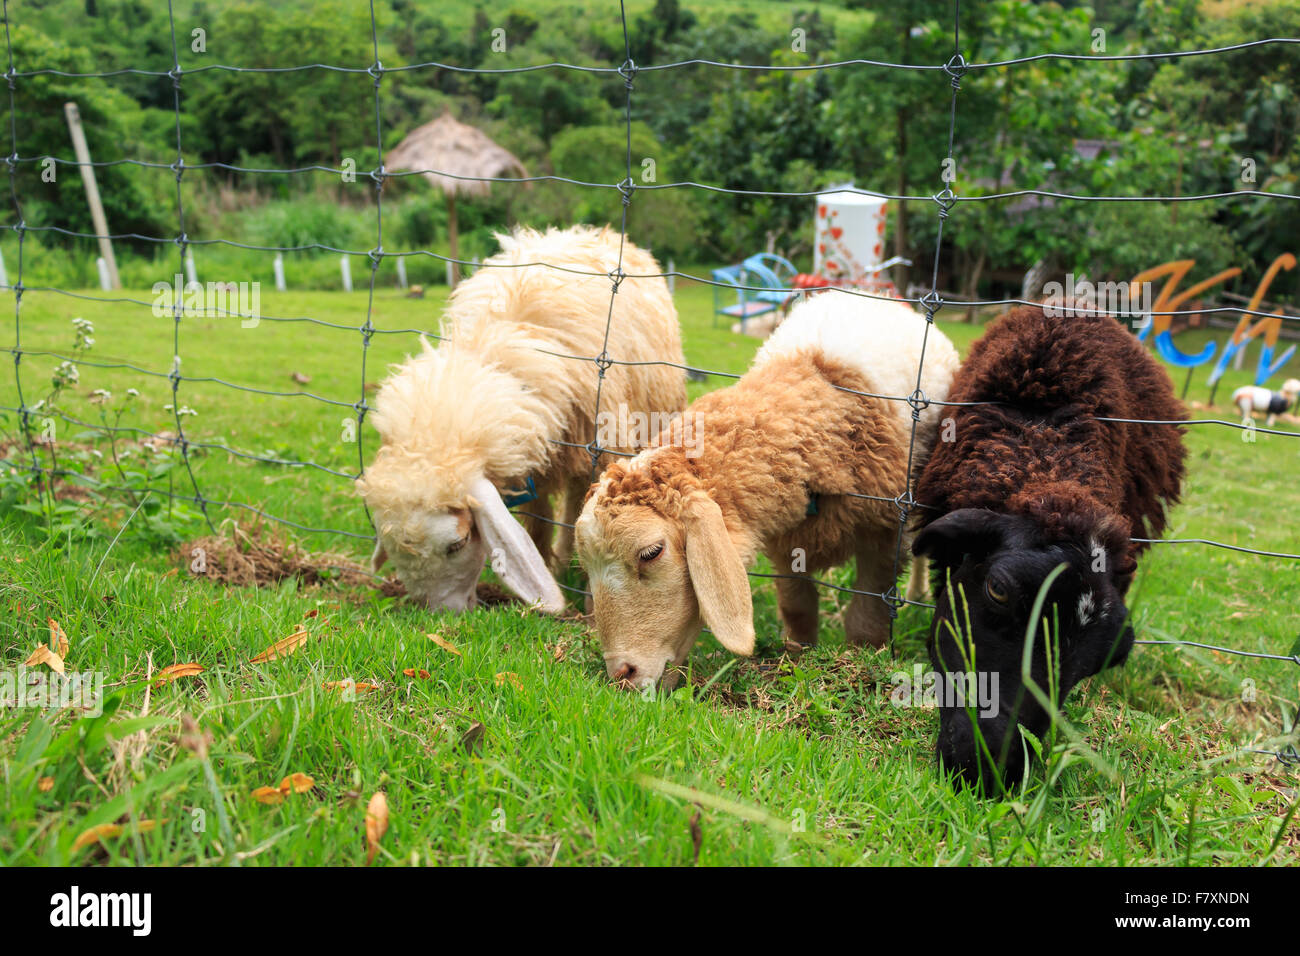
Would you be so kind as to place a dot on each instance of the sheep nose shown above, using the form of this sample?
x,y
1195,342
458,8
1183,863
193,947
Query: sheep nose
x,y
623,673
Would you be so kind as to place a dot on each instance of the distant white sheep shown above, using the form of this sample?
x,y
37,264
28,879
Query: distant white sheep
x,y
1255,398
497,408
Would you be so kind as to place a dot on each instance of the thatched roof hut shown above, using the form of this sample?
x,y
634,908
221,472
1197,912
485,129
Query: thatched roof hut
x,y
446,145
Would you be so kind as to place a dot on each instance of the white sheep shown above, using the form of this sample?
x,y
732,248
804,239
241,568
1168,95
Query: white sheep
x,y
502,406
1256,398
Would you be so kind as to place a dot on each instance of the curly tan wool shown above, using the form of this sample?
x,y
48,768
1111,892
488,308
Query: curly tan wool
x,y
666,538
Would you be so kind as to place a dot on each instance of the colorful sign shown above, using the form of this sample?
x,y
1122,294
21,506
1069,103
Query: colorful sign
x,y
1250,327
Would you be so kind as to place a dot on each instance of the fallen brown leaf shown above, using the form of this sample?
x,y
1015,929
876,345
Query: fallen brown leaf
x,y
509,676
376,824
697,834
175,672
268,795
58,639
445,644
296,783
472,740
281,648
45,784
43,655
360,687
95,834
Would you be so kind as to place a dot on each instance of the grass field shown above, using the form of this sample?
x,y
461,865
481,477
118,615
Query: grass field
x,y
514,749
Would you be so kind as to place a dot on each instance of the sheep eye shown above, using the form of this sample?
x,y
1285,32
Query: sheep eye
x,y
457,545
996,592
650,553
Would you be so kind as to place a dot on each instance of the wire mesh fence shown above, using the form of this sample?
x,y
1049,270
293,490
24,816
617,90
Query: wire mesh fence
x,y
930,302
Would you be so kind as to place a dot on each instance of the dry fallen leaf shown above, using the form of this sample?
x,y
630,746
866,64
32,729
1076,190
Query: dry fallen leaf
x,y
95,834
300,378
446,645
268,795
376,824
509,676
297,783
45,784
176,671
472,740
43,655
58,639
361,687
282,648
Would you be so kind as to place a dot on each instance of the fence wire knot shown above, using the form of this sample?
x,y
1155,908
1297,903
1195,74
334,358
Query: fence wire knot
x,y
956,68
892,601
11,161
175,73
376,71
628,71
918,401
377,174
904,502
625,189
9,75
374,255
603,362
616,276
932,302
944,199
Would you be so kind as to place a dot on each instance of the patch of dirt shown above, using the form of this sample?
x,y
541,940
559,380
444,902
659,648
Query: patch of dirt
x,y
260,557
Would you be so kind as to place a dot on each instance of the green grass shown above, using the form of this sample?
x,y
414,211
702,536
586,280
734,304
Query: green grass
x,y
784,761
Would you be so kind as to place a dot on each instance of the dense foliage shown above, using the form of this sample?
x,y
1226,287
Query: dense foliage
x,y
1172,127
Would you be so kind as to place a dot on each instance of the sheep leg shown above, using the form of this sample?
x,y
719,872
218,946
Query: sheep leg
x,y
866,622
917,589
537,522
797,601
573,494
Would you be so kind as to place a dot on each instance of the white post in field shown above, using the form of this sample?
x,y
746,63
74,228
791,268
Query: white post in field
x,y
401,272
92,192
346,266
4,275
451,276
105,280
190,275
279,272
672,279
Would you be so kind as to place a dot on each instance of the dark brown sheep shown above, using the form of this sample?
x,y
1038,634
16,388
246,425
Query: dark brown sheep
x,y
1035,481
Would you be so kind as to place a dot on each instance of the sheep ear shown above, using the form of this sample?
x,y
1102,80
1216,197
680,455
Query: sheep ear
x,y
380,557
718,574
514,556
974,531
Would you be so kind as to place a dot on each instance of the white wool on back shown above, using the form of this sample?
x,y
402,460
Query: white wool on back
x,y
498,393
882,339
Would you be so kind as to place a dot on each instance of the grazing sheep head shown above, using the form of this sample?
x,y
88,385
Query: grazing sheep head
x,y
993,566
439,542
661,563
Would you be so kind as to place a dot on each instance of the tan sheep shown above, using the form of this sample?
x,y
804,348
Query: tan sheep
x,y
497,405
777,463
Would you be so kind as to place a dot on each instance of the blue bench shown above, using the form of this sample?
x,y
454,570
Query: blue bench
x,y
762,283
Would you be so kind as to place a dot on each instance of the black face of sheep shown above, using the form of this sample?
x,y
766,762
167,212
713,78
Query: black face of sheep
x,y
991,567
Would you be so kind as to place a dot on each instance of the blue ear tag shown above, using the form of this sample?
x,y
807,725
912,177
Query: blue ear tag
x,y
514,498
812,504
